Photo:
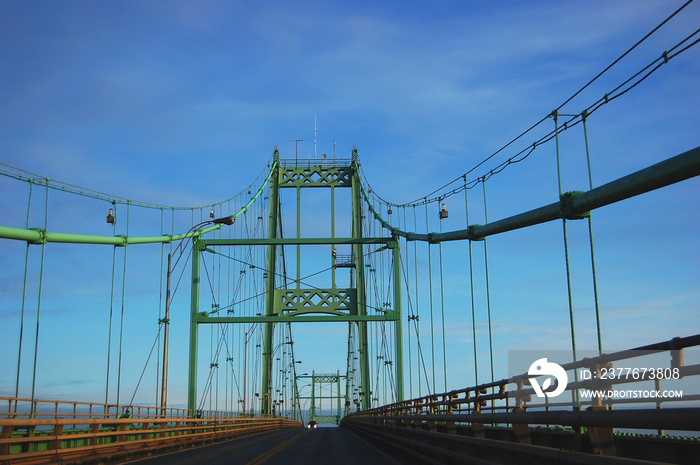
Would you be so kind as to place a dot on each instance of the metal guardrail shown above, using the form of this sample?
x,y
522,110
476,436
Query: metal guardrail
x,y
429,447
318,162
68,440
495,404
495,397
42,408
344,261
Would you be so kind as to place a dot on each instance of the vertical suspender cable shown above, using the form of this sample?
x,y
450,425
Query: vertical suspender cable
x,y
111,308
566,243
384,298
430,281
488,286
38,306
218,257
224,334
172,232
121,323
408,326
172,228
213,363
574,392
471,285
377,353
590,235
417,321
24,296
229,300
216,301
442,309
160,307
207,394
231,365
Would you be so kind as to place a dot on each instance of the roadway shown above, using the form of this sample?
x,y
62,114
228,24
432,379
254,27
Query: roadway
x,y
285,447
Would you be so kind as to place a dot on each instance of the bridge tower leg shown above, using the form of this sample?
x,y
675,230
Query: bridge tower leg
x,y
398,323
194,332
312,410
268,341
365,389
340,415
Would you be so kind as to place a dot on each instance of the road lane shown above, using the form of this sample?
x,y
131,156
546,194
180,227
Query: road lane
x,y
320,446
332,446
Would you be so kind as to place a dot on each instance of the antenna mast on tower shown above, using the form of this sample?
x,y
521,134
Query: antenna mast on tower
x,y
314,136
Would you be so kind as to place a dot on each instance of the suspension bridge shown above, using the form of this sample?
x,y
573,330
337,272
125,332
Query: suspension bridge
x,y
132,329
247,282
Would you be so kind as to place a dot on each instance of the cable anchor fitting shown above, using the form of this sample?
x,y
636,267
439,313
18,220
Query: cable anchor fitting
x,y
42,236
566,209
471,234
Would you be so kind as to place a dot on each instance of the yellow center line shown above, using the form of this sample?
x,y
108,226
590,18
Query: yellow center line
x,y
263,458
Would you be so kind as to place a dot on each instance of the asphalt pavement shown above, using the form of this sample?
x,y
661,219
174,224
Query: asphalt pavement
x,y
320,446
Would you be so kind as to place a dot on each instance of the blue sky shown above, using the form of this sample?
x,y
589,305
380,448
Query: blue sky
x,y
181,103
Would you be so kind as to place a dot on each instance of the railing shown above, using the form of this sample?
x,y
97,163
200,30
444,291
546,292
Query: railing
x,y
66,440
41,408
496,397
344,261
514,409
322,162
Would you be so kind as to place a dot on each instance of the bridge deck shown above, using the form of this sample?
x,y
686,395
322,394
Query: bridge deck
x,y
330,445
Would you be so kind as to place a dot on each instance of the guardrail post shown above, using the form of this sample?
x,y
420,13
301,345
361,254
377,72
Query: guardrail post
x,y
6,433
478,428
521,430
601,438
450,425
31,447
121,434
144,427
56,444
94,429
398,410
415,410
431,408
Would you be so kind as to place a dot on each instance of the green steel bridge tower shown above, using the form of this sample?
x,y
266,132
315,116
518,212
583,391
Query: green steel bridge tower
x,y
318,382
299,304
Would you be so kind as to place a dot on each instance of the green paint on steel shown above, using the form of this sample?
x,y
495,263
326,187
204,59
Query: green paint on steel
x,y
398,329
300,241
322,174
317,389
315,317
197,247
42,236
194,333
270,302
309,305
330,301
670,171
363,349
667,172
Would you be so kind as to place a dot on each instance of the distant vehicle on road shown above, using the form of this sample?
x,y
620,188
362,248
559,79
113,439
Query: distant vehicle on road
x,y
312,425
